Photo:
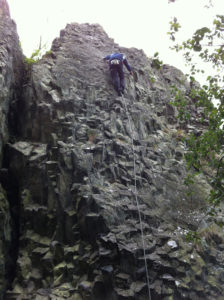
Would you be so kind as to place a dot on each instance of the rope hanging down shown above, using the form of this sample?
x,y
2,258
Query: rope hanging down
x,y
136,199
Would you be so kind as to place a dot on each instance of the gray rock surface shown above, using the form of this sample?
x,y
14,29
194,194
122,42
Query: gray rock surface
x,y
11,70
86,163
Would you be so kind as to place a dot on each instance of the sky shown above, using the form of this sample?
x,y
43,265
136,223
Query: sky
x,y
142,24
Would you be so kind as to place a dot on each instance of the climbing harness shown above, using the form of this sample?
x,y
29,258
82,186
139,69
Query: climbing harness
x,y
136,199
115,62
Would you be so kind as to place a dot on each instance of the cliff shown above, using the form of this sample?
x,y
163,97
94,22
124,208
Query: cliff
x,y
11,74
93,199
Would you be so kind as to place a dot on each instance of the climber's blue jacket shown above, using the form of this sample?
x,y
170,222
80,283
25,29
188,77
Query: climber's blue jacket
x,y
117,58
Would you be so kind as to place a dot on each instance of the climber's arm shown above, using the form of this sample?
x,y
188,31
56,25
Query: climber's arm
x,y
127,65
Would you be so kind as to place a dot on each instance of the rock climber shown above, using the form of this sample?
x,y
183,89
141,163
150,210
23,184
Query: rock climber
x,y
116,61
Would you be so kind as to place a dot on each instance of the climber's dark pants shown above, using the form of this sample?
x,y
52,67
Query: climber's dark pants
x,y
117,75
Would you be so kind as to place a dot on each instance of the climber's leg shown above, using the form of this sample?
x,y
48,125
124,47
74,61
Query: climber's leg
x,y
115,79
121,77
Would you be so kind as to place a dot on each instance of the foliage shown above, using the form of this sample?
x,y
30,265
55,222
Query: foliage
x,y
192,236
180,102
206,151
174,27
37,54
35,57
156,63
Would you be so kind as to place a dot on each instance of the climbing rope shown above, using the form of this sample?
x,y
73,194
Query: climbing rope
x,y
136,199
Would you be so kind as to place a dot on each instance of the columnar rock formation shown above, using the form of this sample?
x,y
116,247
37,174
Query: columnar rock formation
x,y
79,166
11,75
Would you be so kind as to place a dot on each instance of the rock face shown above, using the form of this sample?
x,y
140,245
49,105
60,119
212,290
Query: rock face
x,y
94,183
11,69
11,73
